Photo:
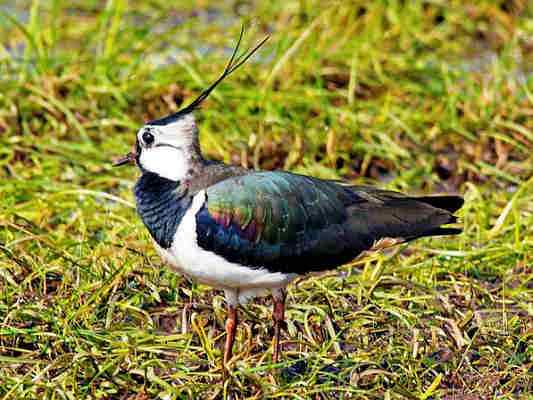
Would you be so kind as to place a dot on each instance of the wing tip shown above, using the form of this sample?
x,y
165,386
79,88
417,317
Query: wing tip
x,y
450,203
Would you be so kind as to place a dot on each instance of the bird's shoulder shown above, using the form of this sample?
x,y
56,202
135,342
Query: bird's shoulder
x,y
210,173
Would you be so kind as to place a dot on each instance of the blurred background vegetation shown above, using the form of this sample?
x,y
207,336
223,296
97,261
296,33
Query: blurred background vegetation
x,y
418,96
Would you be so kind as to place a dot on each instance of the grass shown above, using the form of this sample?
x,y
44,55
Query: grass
x,y
415,96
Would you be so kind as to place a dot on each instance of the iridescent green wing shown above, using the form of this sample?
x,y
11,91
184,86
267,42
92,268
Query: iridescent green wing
x,y
276,220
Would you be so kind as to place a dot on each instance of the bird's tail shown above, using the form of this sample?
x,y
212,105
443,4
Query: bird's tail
x,y
390,217
445,207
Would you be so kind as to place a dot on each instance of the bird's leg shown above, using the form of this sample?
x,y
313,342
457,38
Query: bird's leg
x,y
278,315
231,329
188,308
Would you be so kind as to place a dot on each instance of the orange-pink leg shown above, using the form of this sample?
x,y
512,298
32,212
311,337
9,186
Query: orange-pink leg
x,y
231,329
278,315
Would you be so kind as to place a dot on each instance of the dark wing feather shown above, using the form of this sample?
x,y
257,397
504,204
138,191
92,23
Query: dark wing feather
x,y
293,223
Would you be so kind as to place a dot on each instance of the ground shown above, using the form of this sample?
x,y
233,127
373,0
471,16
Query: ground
x,y
417,96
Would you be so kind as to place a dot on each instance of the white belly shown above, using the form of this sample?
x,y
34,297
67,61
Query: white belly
x,y
186,257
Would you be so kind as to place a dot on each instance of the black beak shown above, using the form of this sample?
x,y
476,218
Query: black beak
x,y
127,159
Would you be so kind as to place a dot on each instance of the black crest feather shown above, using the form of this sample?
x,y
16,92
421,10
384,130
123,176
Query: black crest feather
x,y
233,63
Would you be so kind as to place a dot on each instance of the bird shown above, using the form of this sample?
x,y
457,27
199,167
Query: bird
x,y
252,232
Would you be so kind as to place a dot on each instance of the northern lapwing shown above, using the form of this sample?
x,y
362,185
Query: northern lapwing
x,y
252,232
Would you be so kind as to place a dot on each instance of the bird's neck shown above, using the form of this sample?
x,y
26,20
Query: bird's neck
x,y
161,204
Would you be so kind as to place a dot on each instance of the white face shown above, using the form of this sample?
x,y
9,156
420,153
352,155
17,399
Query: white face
x,y
166,149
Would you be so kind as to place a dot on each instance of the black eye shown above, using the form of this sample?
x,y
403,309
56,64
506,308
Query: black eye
x,y
148,138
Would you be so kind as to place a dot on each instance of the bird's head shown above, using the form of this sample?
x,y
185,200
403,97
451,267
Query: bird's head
x,y
169,146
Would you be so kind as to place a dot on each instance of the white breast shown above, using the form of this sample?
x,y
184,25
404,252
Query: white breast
x,y
186,257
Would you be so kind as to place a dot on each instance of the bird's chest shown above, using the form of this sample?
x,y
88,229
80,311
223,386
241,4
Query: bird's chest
x,y
168,212
169,215
161,205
